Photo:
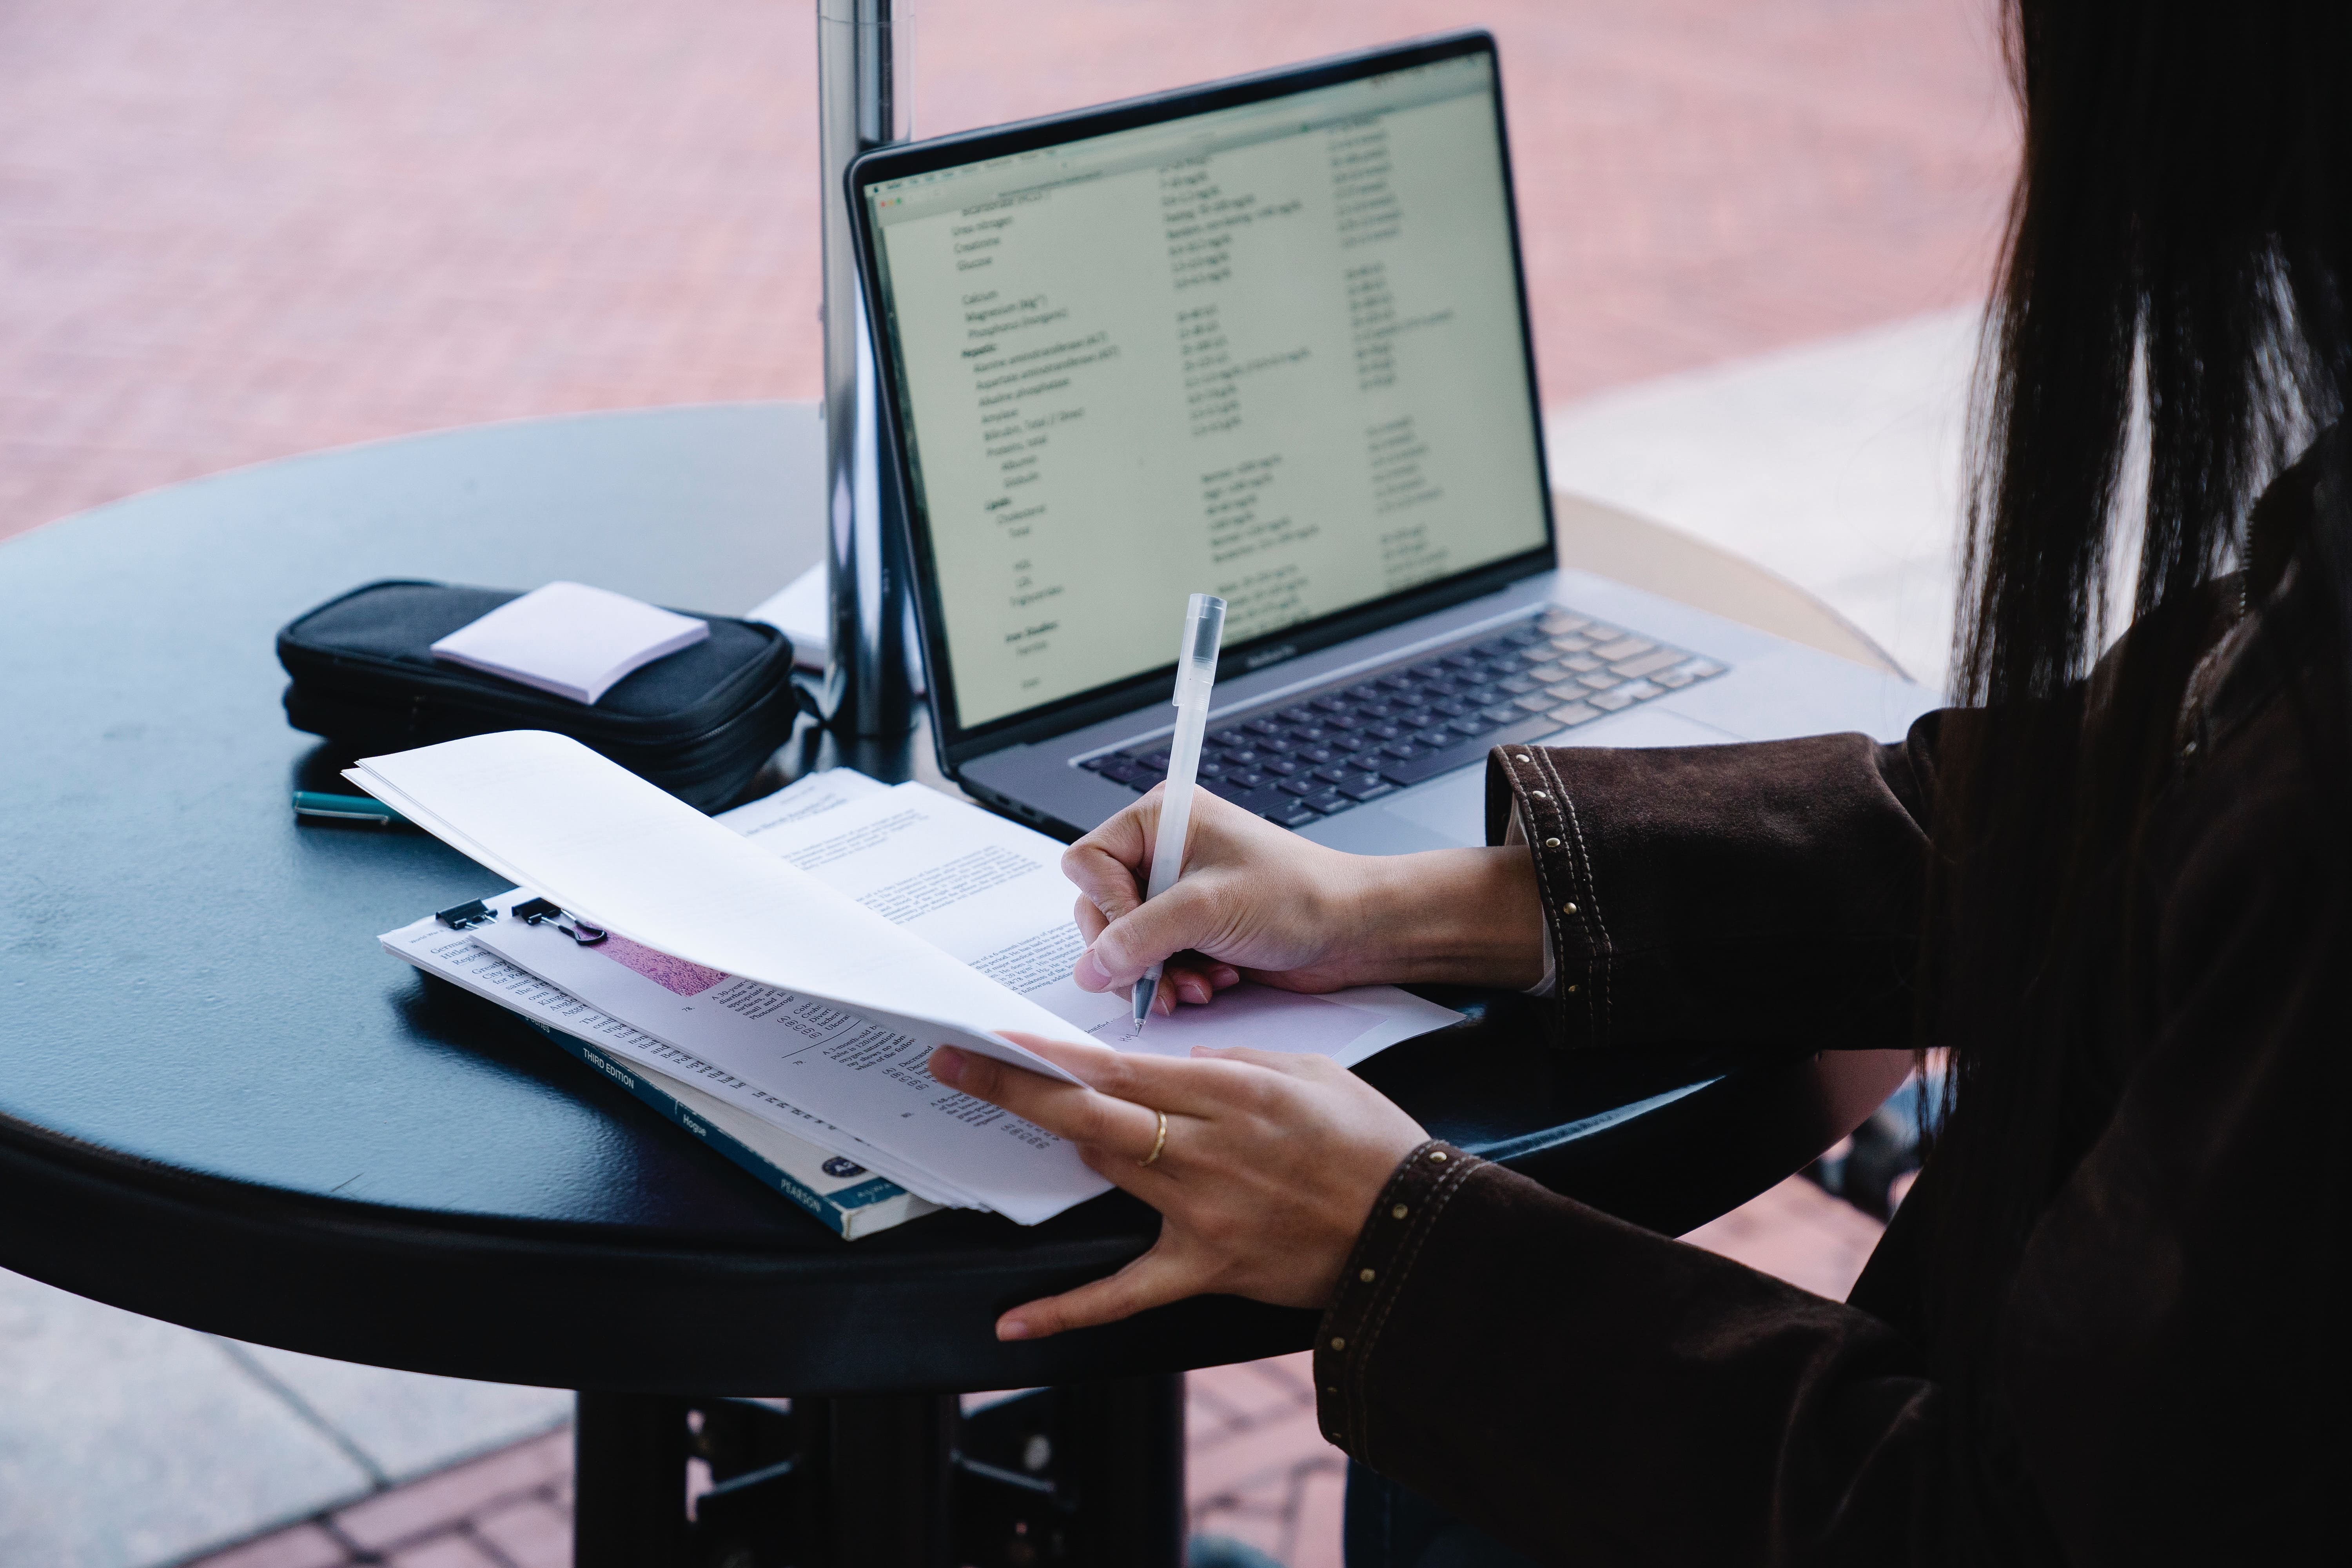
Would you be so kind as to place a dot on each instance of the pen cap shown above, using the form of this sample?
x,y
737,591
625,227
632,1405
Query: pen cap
x,y
1196,658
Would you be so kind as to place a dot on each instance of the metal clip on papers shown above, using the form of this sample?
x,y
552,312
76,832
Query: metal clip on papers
x,y
539,912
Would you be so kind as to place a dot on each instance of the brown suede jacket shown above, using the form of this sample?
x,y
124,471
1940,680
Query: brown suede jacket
x,y
2176,1341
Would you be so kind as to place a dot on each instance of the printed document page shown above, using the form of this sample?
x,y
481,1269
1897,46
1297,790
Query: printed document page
x,y
852,1072
991,892
457,957
979,886
576,829
812,795
956,884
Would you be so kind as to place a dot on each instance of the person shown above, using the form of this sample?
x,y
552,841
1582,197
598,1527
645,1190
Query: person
x,y
2110,885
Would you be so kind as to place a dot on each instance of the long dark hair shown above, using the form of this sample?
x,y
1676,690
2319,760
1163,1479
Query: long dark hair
x,y
2179,248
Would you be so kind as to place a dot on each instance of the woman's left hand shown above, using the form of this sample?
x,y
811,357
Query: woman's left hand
x,y
1270,1165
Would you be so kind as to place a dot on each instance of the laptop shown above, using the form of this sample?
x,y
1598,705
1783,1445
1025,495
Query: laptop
x,y
1266,339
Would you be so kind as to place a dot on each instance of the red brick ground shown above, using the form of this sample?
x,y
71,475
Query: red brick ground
x,y
235,229
1256,1467
509,1509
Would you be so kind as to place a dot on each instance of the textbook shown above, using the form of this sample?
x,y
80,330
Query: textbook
x,y
815,949
846,1197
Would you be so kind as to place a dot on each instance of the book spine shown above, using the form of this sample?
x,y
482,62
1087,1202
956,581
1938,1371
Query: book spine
x,y
649,1093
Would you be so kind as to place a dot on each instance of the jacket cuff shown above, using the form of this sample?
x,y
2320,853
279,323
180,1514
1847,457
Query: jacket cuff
x,y
1525,780
1347,1339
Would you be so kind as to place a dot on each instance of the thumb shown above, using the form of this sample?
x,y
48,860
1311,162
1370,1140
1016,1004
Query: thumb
x,y
1188,915
1153,1279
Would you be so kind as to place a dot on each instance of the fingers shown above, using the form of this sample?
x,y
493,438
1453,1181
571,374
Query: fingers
x,y
1290,1064
1151,1182
1197,980
1189,915
1191,978
1262,1191
1108,866
1153,1279
1178,1085
1083,1116
1177,985
1090,973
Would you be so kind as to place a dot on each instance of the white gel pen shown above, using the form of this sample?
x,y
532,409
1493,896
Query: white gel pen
x,y
1196,672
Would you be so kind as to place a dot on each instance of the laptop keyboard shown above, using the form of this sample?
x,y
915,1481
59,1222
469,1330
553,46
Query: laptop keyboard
x,y
1330,751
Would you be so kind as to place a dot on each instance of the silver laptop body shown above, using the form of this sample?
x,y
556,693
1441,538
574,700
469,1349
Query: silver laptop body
x,y
1266,339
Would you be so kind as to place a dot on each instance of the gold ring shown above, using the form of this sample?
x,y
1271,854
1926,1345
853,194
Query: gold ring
x,y
1159,1142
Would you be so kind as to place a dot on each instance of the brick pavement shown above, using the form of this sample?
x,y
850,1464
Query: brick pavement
x,y
1258,1472
235,229
507,1509
231,230
1256,1467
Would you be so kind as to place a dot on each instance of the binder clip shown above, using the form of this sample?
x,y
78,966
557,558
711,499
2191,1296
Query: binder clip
x,y
465,916
538,911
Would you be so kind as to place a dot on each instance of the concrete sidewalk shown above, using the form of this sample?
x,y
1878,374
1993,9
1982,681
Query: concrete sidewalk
x,y
126,1442
1837,464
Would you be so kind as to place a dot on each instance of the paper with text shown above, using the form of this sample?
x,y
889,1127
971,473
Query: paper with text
x,y
457,957
830,1062
991,892
1273,352
959,886
574,828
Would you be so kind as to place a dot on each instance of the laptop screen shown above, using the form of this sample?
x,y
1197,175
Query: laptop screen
x,y
1273,351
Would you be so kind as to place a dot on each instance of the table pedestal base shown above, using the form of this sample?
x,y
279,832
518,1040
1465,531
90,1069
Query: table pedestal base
x,y
1085,1474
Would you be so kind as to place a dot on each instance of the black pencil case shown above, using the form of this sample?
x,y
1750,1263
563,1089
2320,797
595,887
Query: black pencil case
x,y
699,722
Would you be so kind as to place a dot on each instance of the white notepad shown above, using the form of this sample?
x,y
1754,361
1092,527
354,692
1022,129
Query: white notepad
x,y
801,611
571,639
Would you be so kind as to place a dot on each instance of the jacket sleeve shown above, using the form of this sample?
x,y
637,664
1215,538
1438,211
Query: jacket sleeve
x,y
1558,1376
1587,1390
1766,894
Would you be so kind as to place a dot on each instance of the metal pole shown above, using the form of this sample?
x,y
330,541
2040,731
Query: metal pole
x,y
864,54
628,1474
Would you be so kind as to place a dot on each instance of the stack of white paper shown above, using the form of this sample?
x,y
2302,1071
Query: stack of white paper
x,y
819,945
803,610
783,1146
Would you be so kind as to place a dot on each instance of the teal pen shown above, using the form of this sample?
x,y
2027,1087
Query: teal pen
x,y
310,806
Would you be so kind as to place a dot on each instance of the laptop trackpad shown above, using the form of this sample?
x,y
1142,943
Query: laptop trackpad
x,y
1444,814
1451,810
1453,807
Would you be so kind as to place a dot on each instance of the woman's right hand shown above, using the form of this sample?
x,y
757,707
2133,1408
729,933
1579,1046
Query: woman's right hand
x,y
1259,900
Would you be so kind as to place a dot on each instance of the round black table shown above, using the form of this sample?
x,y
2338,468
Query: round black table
x,y
222,1105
